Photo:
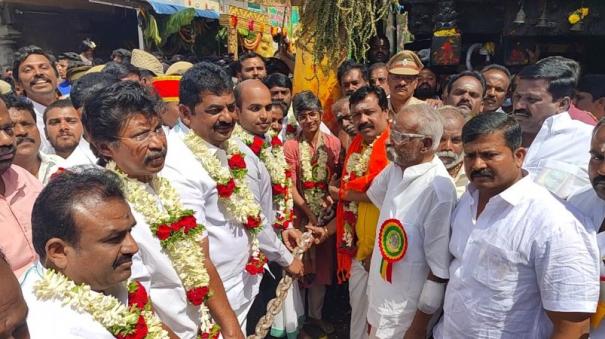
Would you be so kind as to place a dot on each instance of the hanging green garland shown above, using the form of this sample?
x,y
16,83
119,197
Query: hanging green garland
x,y
341,27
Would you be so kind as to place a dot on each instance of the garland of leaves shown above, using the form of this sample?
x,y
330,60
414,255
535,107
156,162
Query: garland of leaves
x,y
339,27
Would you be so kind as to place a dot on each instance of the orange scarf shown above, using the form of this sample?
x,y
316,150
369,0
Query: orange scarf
x,y
378,161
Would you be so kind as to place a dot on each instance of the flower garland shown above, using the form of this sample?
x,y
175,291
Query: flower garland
x,y
180,236
233,192
314,176
134,321
357,166
279,171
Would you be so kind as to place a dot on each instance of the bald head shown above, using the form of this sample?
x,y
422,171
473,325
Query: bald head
x,y
254,104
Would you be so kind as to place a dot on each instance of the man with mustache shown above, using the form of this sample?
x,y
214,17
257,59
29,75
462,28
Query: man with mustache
x,y
28,155
351,76
497,81
18,191
556,155
34,71
523,265
63,127
450,149
251,66
355,222
466,91
126,129
410,259
81,227
591,202
378,76
428,85
380,49
403,68
208,107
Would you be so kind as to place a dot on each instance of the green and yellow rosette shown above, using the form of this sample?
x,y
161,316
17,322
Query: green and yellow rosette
x,y
393,243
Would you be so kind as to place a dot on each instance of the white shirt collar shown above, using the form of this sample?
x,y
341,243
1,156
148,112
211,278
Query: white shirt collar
x,y
557,123
512,195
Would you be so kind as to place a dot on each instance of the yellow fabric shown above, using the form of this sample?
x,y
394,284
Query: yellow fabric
x,y
367,218
308,76
595,319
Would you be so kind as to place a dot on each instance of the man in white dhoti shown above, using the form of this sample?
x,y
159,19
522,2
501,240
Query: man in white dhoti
x,y
416,196
173,261
81,226
523,265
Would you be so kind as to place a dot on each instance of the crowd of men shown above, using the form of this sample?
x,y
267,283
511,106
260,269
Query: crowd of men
x,y
165,201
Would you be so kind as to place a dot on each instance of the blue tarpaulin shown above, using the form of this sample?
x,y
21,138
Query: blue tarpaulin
x,y
162,8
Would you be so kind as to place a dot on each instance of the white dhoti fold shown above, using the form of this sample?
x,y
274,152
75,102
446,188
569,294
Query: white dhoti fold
x,y
290,320
358,283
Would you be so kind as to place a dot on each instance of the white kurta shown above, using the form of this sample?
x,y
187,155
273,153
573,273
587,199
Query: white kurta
x,y
558,157
422,198
524,254
82,155
50,319
153,268
228,241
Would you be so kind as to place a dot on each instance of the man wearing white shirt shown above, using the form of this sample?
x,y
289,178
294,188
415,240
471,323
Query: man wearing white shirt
x,y
253,101
125,127
416,196
81,227
591,202
523,265
208,108
556,155
27,137
34,70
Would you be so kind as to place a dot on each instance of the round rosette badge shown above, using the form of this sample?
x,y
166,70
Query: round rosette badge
x,y
393,243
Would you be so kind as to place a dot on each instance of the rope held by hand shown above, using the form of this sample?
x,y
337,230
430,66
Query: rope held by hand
x,y
276,304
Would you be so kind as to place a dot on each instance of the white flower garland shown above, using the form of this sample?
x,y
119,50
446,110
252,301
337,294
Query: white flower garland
x,y
275,161
183,248
314,176
357,165
116,317
241,204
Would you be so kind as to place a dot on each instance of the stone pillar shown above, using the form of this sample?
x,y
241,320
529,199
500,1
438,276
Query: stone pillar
x,y
8,36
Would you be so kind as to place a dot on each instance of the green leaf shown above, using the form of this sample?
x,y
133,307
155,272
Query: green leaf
x,y
178,20
152,32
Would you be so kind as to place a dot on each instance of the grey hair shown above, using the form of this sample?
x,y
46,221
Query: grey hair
x,y
449,109
430,122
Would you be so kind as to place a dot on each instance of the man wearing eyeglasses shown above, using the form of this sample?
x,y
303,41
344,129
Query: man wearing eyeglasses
x,y
416,196
126,129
